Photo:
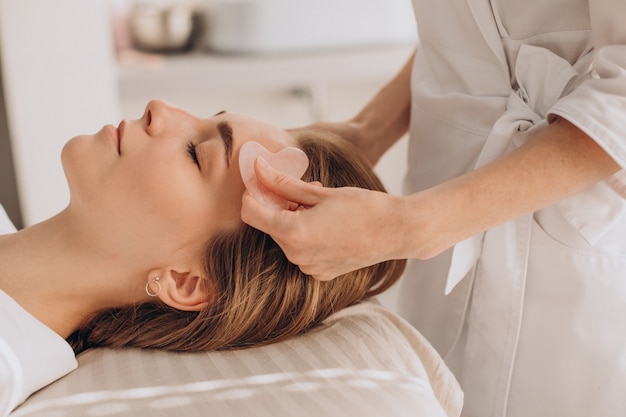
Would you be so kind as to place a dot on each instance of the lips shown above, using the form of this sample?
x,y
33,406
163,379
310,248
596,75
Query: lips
x,y
115,134
120,135
112,135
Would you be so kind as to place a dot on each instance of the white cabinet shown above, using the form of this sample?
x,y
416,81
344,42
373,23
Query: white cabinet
x,y
303,25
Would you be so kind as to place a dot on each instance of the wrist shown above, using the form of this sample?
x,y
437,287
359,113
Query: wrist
x,y
365,135
409,229
385,239
426,225
365,124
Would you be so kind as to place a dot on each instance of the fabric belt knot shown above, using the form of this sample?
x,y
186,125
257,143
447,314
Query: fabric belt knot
x,y
541,79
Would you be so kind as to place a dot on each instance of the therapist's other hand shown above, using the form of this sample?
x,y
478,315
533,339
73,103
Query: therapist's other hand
x,y
355,133
333,231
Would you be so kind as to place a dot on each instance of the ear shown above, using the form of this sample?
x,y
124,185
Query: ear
x,y
184,290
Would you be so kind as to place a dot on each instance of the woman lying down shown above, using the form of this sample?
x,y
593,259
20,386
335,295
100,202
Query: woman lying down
x,y
151,251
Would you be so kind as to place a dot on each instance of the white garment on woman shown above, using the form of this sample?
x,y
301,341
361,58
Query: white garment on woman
x,y
31,355
538,325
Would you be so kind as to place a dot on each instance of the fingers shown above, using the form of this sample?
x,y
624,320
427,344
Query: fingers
x,y
261,216
317,275
320,233
271,220
285,186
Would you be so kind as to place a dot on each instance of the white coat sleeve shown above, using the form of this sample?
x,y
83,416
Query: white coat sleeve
x,y
9,379
31,355
598,105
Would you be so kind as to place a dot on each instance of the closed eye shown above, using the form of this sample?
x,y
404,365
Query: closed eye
x,y
191,150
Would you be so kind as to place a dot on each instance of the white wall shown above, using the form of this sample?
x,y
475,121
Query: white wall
x,y
60,81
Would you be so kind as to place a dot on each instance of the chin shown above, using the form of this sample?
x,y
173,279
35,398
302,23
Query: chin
x,y
71,155
79,162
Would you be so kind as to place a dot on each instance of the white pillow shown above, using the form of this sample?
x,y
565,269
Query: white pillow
x,y
363,361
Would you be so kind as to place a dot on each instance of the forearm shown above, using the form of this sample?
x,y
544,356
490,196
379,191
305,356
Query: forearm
x,y
382,121
558,162
385,119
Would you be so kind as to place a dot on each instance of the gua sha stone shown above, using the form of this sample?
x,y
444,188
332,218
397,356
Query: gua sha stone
x,y
291,161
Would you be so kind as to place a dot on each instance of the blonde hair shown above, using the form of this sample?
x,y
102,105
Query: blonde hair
x,y
261,296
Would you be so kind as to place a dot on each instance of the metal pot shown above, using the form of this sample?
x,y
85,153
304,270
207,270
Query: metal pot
x,y
156,28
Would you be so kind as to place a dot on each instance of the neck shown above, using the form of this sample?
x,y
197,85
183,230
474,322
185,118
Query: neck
x,y
55,272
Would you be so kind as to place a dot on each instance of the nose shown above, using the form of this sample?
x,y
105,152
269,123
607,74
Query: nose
x,y
160,117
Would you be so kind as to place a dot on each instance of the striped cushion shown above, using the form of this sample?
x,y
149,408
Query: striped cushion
x,y
363,361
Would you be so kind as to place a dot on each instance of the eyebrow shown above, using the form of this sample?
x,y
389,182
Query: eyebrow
x,y
226,133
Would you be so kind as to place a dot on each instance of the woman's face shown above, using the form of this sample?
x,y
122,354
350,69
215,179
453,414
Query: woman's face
x,y
164,183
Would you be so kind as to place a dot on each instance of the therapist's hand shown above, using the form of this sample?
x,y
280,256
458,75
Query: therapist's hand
x,y
333,231
355,133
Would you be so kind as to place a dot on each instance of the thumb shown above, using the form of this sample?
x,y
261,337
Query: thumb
x,y
285,186
262,217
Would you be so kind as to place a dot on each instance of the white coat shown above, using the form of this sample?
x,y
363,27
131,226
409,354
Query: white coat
x,y
31,354
537,324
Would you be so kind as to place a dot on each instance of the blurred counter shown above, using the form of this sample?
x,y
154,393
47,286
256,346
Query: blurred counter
x,y
201,73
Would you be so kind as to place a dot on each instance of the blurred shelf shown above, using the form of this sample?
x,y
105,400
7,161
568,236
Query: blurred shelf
x,y
200,73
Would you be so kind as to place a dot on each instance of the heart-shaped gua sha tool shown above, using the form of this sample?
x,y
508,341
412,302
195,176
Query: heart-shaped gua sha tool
x,y
291,161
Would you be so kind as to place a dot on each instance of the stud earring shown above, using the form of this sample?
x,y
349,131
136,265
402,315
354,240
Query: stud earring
x,y
149,290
